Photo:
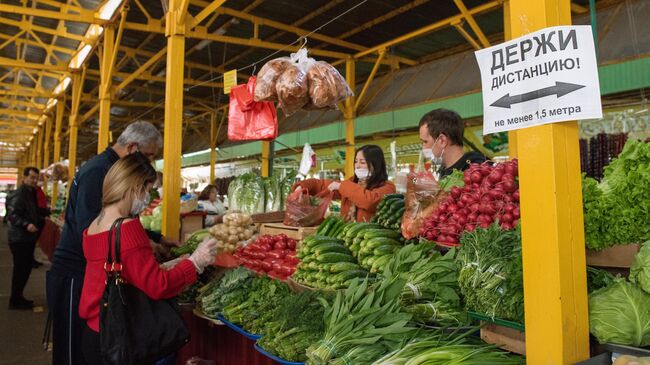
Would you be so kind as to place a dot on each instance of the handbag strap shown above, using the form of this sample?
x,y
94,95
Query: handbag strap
x,y
114,262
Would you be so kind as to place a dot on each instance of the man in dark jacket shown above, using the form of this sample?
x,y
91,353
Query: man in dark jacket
x,y
65,278
26,220
441,132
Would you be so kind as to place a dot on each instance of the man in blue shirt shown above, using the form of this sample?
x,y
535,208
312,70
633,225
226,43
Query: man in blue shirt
x,y
65,278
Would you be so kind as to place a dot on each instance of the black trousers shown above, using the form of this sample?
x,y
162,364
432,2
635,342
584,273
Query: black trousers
x,y
23,255
63,296
90,344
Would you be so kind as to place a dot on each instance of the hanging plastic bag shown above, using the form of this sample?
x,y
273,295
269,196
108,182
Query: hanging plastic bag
x,y
292,86
250,120
304,210
422,192
326,86
267,78
306,162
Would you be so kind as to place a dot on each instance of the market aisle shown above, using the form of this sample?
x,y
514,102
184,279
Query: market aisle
x,y
21,331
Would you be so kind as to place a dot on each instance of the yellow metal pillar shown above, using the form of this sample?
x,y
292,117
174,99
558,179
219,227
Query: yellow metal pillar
x,y
213,142
173,132
77,86
105,88
34,147
507,33
39,149
266,152
349,114
555,292
46,149
58,121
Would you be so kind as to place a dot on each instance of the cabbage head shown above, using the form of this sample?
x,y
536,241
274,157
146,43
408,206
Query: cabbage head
x,y
620,314
640,270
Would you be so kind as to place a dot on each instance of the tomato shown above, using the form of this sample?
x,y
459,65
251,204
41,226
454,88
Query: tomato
x,y
277,267
292,260
275,254
291,243
267,265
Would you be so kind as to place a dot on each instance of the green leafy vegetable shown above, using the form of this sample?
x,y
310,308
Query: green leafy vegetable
x,y
640,270
598,278
614,208
491,276
455,179
620,314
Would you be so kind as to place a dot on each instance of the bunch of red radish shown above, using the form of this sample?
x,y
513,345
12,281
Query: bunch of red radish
x,y
491,193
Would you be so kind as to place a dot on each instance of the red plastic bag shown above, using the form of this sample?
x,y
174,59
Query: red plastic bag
x,y
303,210
248,119
422,195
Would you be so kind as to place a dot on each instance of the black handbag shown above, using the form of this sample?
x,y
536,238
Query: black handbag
x,y
133,328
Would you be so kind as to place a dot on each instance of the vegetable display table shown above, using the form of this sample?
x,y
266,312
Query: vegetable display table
x,y
217,343
297,233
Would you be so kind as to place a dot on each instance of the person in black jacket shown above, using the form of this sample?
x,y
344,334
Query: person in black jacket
x,y
65,278
441,132
26,220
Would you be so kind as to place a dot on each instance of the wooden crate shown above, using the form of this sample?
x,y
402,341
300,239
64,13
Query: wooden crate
x,y
506,338
618,256
271,217
297,233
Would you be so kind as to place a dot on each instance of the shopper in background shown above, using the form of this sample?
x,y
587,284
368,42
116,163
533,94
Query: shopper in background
x,y
441,132
209,202
361,193
25,223
66,276
126,188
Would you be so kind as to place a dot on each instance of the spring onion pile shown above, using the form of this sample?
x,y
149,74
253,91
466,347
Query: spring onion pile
x,y
444,349
361,316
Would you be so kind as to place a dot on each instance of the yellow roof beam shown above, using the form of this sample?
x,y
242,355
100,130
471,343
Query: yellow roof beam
x,y
430,28
29,115
8,62
26,93
24,25
83,16
579,9
209,9
147,76
156,26
472,23
22,103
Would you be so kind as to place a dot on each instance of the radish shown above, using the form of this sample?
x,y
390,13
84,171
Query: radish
x,y
515,213
476,177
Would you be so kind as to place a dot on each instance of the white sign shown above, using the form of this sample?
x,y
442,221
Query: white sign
x,y
544,77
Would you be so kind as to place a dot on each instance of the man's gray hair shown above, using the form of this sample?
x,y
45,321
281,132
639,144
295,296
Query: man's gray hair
x,y
142,133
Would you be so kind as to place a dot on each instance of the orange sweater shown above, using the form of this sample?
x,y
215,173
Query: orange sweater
x,y
350,193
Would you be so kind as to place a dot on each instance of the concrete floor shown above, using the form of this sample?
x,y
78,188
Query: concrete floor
x,y
21,332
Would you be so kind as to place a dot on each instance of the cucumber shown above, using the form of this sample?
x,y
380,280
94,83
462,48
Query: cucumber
x,y
381,261
324,226
330,247
385,233
347,275
352,232
343,266
380,241
384,250
313,265
334,257
321,239
391,196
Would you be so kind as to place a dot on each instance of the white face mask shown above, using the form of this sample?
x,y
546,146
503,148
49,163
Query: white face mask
x,y
362,174
139,205
427,153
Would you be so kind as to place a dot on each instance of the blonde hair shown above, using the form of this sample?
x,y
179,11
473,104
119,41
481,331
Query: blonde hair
x,y
127,175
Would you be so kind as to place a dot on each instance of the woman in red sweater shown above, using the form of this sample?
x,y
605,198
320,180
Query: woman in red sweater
x,y
360,194
125,193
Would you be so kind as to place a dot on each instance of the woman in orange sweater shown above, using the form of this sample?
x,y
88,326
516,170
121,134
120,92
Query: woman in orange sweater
x,y
360,194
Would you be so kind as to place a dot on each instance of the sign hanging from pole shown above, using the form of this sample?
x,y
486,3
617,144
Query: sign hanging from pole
x,y
229,80
544,77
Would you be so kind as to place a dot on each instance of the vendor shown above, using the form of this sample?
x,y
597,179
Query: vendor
x,y
360,194
209,202
441,132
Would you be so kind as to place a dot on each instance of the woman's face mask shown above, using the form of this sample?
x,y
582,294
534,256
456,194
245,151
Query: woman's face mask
x,y
362,173
139,204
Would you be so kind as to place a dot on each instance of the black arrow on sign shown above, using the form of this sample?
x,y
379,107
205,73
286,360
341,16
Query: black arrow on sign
x,y
560,89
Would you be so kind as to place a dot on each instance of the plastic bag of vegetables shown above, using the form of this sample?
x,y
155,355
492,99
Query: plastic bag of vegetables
x,y
236,229
620,314
303,210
